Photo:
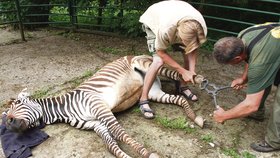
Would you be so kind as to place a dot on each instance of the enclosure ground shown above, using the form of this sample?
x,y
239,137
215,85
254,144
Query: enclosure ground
x,y
49,58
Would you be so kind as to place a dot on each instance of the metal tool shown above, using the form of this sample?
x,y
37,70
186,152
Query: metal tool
x,y
212,89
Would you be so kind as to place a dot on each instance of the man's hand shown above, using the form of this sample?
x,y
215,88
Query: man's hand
x,y
188,76
218,115
238,84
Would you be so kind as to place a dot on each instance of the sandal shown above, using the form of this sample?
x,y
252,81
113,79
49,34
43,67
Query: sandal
x,y
263,146
190,96
146,110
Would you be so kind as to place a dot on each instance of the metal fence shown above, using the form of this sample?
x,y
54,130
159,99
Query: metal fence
x,y
97,16
15,12
228,25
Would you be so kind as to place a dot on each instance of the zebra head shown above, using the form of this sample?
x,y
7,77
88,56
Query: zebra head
x,y
23,113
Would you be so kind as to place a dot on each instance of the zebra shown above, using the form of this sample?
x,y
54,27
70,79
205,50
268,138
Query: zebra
x,y
114,88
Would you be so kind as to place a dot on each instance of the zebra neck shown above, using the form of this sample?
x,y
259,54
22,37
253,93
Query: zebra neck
x,y
54,109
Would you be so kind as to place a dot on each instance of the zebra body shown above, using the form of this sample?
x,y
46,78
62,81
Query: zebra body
x,y
114,88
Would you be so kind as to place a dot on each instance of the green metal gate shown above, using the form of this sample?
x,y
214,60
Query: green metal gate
x,y
223,18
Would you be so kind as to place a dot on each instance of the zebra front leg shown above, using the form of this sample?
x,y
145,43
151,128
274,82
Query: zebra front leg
x,y
124,137
105,115
157,95
107,138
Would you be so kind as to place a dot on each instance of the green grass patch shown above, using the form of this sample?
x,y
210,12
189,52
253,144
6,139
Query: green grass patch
x,y
247,154
232,152
110,50
42,93
207,138
178,123
75,82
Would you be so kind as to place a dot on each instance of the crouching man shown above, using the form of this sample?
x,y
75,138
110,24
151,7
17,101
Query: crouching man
x,y
259,47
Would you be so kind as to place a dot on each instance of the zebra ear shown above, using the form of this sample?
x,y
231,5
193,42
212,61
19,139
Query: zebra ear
x,y
9,103
23,94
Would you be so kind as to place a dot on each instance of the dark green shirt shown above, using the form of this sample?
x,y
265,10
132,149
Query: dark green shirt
x,y
264,59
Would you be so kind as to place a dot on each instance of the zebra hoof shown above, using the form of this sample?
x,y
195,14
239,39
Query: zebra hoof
x,y
153,155
198,79
199,121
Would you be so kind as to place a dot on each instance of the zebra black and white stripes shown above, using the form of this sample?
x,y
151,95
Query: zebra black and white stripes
x,y
115,87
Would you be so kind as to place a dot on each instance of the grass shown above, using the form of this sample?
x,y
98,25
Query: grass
x,y
78,80
42,93
207,138
232,152
178,123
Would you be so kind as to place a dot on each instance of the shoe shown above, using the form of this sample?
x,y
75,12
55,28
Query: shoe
x,y
258,116
262,146
144,110
187,96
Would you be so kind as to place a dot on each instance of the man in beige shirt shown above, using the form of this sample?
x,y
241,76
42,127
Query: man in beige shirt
x,y
167,23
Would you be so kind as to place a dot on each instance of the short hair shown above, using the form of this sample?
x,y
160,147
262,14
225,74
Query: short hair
x,y
227,48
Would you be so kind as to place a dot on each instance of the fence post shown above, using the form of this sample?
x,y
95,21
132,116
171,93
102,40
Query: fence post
x,y
20,20
72,14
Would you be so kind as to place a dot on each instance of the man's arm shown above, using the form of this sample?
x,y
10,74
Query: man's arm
x,y
187,75
240,82
246,107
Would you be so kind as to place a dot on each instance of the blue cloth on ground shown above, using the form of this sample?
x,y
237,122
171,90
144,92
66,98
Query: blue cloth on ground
x,y
18,145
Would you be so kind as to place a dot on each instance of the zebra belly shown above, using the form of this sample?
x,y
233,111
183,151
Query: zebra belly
x,y
125,93
129,100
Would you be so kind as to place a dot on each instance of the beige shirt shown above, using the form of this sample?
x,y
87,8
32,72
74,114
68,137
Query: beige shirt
x,y
163,18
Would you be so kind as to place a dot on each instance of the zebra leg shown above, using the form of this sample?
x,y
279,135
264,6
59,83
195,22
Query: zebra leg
x,y
174,75
107,138
106,116
166,72
157,95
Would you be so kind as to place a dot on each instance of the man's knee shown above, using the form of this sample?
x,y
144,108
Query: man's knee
x,y
157,61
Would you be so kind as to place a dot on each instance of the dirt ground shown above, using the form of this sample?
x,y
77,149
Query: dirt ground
x,y
51,57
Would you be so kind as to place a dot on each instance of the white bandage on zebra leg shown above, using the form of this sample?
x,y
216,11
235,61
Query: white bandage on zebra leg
x,y
199,121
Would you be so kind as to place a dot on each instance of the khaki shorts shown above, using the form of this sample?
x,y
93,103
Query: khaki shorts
x,y
151,37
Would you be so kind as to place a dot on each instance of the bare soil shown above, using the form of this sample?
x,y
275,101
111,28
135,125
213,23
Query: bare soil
x,y
49,58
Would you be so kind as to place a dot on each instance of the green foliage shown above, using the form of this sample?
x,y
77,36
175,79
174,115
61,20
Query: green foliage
x,y
122,16
59,10
208,45
8,17
130,25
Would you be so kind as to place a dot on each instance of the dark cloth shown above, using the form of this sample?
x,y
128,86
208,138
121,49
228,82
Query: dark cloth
x,y
18,145
277,78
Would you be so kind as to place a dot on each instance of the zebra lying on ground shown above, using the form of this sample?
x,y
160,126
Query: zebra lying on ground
x,y
88,106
